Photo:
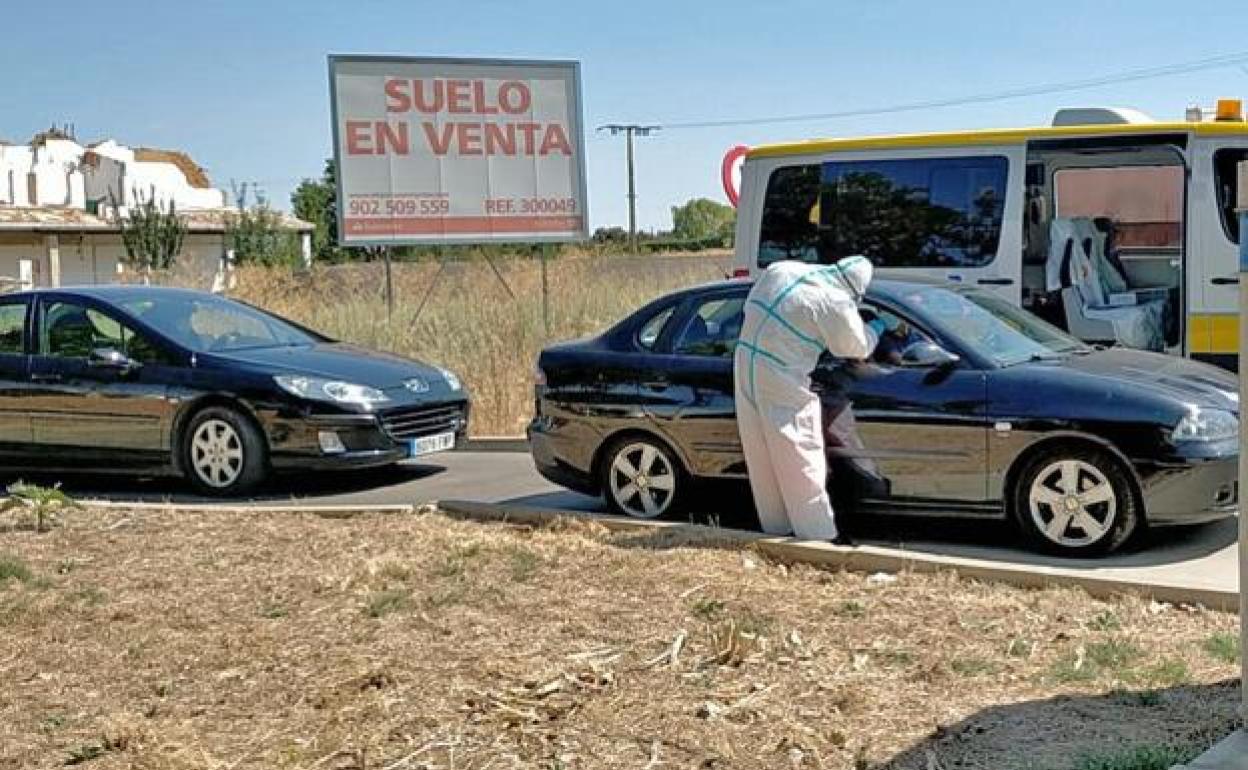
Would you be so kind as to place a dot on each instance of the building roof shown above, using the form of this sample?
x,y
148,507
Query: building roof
x,y
194,173
61,219
1004,136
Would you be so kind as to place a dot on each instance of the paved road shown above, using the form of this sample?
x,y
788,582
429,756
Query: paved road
x,y
1197,557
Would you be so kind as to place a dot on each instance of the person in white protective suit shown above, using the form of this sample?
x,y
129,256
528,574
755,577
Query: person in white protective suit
x,y
793,314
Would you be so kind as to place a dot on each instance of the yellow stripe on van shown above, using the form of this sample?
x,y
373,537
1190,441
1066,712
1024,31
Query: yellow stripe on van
x,y
1213,333
991,137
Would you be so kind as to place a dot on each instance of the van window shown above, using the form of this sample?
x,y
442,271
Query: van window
x,y
920,212
1143,203
1226,176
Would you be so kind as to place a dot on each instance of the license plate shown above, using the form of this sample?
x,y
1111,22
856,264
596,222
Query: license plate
x,y
439,442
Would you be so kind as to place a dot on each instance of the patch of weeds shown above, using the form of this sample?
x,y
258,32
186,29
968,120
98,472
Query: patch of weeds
x,y
1170,672
53,722
1105,621
43,505
894,658
850,609
66,566
273,611
1113,654
523,563
1020,647
1110,656
84,753
707,609
749,622
972,666
1147,757
457,561
13,568
383,603
163,689
446,597
1222,647
396,571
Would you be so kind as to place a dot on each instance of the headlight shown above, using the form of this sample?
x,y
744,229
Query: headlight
x,y
1206,425
452,381
330,390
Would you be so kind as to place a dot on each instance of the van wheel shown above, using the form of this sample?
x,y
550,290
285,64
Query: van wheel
x,y
223,454
642,478
1076,501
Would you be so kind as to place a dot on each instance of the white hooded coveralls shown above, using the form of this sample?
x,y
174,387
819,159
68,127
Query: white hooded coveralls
x,y
794,312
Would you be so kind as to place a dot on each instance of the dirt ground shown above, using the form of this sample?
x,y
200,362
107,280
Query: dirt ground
x,y
147,639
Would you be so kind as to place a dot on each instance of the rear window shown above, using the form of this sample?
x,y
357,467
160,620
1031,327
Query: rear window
x,y
919,212
1226,176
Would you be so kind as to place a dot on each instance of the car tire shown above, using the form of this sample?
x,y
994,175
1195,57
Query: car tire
x,y
642,478
223,453
1076,500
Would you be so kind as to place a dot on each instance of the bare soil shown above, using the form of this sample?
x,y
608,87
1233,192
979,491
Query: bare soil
x,y
149,639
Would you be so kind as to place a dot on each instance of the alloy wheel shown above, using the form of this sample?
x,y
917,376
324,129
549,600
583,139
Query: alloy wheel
x,y
217,453
1072,503
642,481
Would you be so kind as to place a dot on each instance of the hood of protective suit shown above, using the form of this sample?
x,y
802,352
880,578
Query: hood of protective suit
x,y
855,272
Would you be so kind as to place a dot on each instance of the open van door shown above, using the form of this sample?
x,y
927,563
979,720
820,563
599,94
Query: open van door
x,y
949,213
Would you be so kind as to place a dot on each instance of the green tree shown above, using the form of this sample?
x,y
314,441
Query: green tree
x,y
257,237
703,219
151,232
316,201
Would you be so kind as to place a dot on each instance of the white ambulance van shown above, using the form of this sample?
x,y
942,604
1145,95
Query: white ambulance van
x,y
1116,227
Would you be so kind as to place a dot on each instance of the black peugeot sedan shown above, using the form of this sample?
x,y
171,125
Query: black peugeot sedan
x,y
970,407
150,381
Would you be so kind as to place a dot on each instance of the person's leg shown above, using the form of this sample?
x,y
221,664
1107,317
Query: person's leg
x,y
796,448
768,501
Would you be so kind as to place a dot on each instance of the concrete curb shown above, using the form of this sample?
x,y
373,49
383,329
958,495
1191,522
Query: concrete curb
x,y
326,511
867,558
494,444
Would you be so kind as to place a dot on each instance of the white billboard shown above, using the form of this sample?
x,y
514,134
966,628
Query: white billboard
x,y
433,150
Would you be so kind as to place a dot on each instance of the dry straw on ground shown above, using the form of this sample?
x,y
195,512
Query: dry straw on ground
x,y
222,640
470,323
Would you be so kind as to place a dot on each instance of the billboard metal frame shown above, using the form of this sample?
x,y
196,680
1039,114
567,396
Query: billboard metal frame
x,y
577,125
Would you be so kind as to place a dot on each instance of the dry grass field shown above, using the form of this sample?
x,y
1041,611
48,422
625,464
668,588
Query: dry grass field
x,y
470,323
147,639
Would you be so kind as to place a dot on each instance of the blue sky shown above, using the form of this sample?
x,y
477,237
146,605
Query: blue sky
x,y
242,85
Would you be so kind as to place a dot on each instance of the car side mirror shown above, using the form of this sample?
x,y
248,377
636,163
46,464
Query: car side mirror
x,y
928,355
111,358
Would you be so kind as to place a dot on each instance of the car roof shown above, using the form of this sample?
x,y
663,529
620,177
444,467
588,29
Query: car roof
x,y
113,292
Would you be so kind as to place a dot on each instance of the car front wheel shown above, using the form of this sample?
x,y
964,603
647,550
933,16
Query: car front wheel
x,y
1076,501
223,453
641,478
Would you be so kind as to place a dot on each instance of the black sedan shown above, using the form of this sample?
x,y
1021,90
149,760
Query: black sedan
x,y
148,381
970,407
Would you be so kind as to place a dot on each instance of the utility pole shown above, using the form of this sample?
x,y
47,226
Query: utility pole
x,y
630,130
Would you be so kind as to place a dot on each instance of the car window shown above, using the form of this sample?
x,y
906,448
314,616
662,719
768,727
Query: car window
x,y
212,325
895,334
12,328
651,330
72,330
712,329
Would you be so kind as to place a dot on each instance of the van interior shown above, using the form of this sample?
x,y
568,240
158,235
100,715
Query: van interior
x,y
1103,239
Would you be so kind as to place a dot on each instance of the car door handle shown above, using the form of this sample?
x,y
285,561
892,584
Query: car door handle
x,y
996,281
46,377
1225,280
656,384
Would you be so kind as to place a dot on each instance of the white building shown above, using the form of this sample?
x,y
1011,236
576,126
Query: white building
x,y
59,203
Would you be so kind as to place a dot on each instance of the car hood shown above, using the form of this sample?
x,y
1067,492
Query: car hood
x,y
340,361
1181,379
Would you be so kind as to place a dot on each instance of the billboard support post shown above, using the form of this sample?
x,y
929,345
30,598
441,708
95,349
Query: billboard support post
x,y
385,253
545,296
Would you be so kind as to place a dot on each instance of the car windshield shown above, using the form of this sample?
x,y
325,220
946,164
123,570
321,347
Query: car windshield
x,y
990,325
215,325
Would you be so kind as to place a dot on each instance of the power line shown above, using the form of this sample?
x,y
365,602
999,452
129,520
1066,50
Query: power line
x,y
1145,73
